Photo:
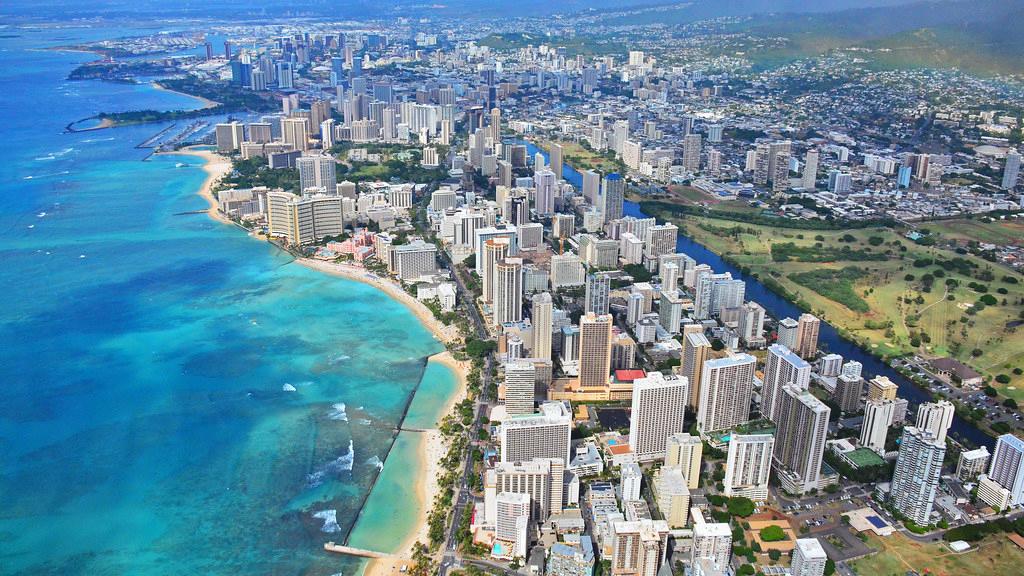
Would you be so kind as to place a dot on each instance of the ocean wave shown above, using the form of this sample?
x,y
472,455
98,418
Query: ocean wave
x,y
375,462
330,518
288,388
338,412
338,359
334,468
38,176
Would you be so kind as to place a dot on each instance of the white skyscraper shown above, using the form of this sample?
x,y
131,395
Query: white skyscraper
x,y
809,558
782,366
513,523
1006,467
317,172
508,291
542,325
725,389
630,482
936,417
659,403
875,427
541,435
916,478
1011,171
545,189
748,466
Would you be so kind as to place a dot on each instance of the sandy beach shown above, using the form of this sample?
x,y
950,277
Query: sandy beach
x,y
432,446
445,334
432,449
215,166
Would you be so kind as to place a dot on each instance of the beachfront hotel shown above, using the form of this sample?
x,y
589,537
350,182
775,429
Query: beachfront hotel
x,y
541,435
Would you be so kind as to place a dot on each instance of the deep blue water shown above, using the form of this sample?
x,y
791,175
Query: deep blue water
x,y
779,307
144,423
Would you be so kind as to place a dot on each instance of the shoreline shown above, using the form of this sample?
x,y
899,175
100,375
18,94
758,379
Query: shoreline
x,y
432,447
215,166
206,102
445,334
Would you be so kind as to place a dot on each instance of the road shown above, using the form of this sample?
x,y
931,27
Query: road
x,y
451,558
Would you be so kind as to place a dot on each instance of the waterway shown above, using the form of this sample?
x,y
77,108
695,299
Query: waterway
x,y
778,307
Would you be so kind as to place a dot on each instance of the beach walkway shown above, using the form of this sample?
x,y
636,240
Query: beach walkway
x,y
352,551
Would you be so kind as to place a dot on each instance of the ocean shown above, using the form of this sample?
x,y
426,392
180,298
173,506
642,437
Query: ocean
x,y
175,396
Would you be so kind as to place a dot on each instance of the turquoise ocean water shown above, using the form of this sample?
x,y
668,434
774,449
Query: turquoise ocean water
x,y
144,355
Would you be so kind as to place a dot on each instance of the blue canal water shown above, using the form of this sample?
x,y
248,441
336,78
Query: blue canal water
x,y
176,398
779,307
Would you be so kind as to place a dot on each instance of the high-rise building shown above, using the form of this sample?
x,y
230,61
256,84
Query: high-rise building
x,y
781,367
508,291
317,172
595,350
597,291
807,335
672,496
936,417
1007,467
540,311
916,478
545,190
630,480
639,547
684,452
591,186
415,259
848,392
1011,172
495,250
695,352
691,152
229,136
711,540
810,175
660,239
788,333
658,407
751,324
878,416
800,440
543,479
541,435
295,131
809,558
556,160
748,465
670,311
881,388
512,526
972,463
495,128
613,195
725,390
520,377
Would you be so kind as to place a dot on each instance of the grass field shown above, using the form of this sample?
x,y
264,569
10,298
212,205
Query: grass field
x,y
582,159
898,554
902,315
966,230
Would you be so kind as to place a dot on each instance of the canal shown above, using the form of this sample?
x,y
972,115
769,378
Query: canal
x,y
778,307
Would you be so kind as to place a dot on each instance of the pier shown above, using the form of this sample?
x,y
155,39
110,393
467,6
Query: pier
x,y
352,551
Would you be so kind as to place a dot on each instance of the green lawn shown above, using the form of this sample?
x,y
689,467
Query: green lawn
x,y
897,555
902,315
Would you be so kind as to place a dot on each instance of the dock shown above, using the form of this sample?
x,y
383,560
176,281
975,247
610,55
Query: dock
x,y
352,551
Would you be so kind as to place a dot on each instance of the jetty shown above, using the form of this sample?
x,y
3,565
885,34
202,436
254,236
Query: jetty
x,y
353,551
